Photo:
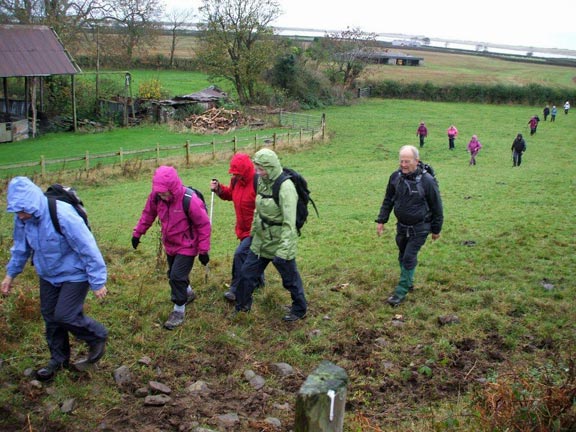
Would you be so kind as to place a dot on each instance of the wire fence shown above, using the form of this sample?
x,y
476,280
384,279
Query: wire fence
x,y
311,129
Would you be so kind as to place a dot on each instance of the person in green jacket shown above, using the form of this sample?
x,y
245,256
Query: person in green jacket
x,y
274,238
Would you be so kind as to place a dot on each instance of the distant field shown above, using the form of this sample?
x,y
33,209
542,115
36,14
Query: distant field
x,y
438,67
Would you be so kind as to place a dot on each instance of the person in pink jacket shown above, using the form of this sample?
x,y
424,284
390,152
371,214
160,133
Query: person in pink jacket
x,y
452,134
474,147
422,132
185,235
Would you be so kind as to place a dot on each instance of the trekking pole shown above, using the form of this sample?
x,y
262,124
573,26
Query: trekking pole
x,y
207,272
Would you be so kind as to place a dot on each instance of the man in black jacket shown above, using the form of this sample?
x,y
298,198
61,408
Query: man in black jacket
x,y
414,195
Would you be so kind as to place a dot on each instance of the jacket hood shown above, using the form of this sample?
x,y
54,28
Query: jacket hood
x,y
242,165
25,196
268,160
166,180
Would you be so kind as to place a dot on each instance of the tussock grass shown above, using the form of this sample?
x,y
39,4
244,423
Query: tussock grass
x,y
420,375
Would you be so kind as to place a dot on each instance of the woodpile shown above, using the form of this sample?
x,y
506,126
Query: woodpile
x,y
220,120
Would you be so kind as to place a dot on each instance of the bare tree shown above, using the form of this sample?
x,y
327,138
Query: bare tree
x,y
67,18
346,49
236,42
138,20
177,20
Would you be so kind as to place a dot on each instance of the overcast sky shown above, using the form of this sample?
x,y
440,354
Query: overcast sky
x,y
532,23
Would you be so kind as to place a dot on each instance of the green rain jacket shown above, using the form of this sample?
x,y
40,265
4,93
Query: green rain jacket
x,y
274,227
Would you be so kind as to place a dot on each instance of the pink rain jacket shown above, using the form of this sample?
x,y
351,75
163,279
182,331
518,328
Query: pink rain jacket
x,y
181,234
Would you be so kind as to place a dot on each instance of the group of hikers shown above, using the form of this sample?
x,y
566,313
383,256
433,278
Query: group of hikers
x,y
69,264
474,145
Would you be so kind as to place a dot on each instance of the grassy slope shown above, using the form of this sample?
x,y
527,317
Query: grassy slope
x,y
522,223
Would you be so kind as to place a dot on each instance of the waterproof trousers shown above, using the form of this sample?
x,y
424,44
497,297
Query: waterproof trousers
x,y
179,268
239,257
409,239
251,273
62,307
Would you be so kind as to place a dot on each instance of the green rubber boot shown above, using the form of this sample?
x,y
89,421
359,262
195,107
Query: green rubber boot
x,y
404,286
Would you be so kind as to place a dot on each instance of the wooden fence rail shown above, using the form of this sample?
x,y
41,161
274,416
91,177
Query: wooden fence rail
x,y
120,156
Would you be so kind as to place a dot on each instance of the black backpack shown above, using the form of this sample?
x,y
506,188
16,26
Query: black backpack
x,y
57,192
303,194
425,169
188,197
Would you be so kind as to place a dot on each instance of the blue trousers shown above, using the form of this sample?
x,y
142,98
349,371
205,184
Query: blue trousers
x,y
239,257
253,269
179,268
62,307
410,239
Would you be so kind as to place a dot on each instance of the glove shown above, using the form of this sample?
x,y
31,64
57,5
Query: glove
x,y
204,259
135,241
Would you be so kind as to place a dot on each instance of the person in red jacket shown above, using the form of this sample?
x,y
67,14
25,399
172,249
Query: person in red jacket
x,y
242,193
185,235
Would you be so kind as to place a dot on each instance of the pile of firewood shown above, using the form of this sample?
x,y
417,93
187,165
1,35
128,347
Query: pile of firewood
x,y
218,120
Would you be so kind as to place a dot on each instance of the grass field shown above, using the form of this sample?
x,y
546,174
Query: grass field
x,y
504,265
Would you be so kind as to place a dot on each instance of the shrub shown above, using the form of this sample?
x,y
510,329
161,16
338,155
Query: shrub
x,y
537,400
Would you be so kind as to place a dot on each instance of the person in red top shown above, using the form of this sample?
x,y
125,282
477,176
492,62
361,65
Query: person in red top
x,y
422,132
242,193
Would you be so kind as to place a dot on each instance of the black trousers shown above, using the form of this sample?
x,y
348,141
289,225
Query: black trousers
x,y
179,268
252,271
62,307
410,239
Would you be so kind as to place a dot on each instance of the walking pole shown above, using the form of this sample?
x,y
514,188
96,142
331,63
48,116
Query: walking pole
x,y
207,272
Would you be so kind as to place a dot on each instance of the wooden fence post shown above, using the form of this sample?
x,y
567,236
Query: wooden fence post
x,y
157,154
42,166
274,140
235,145
321,400
187,147
121,154
87,157
323,125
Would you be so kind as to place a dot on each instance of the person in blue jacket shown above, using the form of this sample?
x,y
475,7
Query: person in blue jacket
x,y
68,266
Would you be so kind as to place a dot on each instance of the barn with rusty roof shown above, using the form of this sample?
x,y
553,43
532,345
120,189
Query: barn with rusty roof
x,y
29,52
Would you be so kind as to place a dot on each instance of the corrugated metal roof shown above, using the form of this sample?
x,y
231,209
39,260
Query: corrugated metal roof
x,y
32,50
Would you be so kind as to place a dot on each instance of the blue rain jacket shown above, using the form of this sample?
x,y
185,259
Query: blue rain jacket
x,y
71,257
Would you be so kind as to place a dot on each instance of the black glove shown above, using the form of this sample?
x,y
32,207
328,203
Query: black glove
x,y
135,241
204,259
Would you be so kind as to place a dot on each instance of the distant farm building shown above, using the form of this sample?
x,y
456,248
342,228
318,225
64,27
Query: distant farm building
x,y
32,52
391,58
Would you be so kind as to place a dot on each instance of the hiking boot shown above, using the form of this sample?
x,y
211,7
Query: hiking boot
x,y
174,320
95,353
230,296
190,297
48,372
293,317
395,300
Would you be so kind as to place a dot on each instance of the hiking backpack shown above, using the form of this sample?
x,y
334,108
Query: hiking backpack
x,y
57,192
425,168
188,197
301,186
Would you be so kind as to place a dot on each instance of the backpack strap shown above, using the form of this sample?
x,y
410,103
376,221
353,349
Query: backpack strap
x,y
54,215
186,199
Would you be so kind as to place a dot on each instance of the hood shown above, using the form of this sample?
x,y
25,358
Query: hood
x,y
242,165
166,180
25,196
268,160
